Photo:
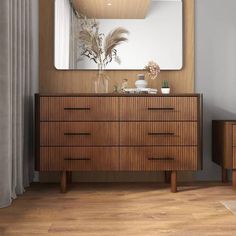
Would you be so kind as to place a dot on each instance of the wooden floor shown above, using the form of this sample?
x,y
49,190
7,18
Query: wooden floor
x,y
120,209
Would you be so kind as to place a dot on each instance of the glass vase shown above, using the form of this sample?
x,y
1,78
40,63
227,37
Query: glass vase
x,y
101,82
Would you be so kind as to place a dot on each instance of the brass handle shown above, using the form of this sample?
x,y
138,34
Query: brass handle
x,y
77,159
161,134
79,134
77,108
161,158
161,108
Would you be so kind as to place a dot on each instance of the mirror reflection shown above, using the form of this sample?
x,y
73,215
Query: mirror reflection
x,y
117,34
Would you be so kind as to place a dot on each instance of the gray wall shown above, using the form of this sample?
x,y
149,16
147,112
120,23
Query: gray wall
x,y
215,69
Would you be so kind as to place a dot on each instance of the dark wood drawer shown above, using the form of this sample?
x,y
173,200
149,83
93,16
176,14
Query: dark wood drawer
x,y
79,133
158,133
234,158
79,109
79,159
234,135
159,109
158,158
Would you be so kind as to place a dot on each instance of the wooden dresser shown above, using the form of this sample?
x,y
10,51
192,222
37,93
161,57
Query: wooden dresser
x,y
116,132
224,147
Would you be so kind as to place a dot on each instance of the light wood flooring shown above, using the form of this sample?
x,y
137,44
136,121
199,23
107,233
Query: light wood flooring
x,y
120,209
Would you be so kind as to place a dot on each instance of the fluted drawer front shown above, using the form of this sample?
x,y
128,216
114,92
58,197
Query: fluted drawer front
x,y
159,108
79,108
158,158
79,133
234,158
158,133
79,159
234,135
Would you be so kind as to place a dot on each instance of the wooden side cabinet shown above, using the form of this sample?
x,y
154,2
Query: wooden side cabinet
x,y
118,132
224,147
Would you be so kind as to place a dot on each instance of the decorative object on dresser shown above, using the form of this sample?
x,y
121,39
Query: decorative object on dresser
x,y
141,83
118,132
165,89
224,147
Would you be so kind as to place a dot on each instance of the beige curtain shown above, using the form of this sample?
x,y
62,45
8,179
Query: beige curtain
x,y
16,98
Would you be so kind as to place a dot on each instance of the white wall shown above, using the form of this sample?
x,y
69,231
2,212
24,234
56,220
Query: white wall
x,y
215,69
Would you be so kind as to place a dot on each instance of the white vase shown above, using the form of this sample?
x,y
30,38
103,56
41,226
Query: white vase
x,y
141,82
165,90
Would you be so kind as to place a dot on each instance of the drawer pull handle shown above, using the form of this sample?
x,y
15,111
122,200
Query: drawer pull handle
x,y
161,108
161,158
79,134
161,134
77,108
77,159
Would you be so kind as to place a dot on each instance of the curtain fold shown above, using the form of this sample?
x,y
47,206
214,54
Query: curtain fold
x,y
16,99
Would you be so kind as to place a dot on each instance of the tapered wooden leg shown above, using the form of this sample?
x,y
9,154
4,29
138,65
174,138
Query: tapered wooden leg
x,y
69,177
234,179
167,177
63,181
173,181
224,175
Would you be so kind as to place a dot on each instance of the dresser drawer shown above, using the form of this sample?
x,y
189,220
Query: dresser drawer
x,y
234,158
234,135
79,159
158,133
79,133
159,108
158,158
79,109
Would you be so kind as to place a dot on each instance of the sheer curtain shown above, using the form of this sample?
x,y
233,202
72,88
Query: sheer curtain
x,y
16,98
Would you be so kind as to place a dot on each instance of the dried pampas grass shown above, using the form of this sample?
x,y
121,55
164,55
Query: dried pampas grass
x,y
96,46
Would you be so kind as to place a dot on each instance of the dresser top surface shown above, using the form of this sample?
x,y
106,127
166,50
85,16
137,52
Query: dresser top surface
x,y
114,95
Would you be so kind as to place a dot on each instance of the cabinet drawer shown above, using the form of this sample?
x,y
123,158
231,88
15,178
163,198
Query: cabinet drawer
x,y
79,109
158,158
234,158
79,159
159,108
79,133
234,135
158,133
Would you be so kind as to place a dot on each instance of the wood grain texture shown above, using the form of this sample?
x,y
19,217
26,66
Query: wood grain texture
x,y
63,181
224,147
234,158
158,158
79,159
58,135
122,9
79,134
159,108
147,209
224,175
53,81
234,134
79,109
222,143
234,178
158,133
173,181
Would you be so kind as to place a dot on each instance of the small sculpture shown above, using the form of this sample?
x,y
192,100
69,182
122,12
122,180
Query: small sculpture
x,y
124,85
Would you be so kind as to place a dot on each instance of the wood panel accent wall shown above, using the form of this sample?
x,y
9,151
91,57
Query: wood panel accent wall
x,y
55,81
52,80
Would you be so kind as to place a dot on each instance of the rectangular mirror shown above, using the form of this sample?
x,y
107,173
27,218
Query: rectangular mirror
x,y
155,33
